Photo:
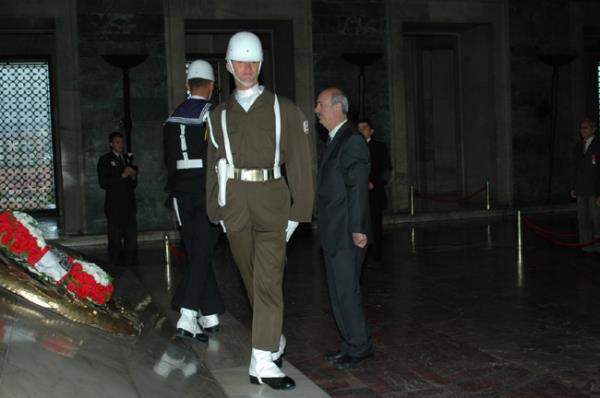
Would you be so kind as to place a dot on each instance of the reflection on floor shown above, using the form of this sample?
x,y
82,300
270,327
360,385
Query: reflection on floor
x,y
43,355
454,311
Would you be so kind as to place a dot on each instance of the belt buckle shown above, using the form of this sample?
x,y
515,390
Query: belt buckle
x,y
249,175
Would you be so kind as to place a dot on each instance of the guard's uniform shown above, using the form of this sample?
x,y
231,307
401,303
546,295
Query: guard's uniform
x,y
119,207
258,201
184,139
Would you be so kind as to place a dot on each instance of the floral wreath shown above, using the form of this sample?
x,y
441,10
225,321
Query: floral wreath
x,y
22,241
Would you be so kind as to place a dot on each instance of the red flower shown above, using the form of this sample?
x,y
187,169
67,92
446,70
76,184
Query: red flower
x,y
6,238
84,286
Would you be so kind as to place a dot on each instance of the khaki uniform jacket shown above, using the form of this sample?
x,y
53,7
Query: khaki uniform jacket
x,y
267,205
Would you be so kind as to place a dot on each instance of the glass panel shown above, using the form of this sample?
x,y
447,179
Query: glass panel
x,y
26,150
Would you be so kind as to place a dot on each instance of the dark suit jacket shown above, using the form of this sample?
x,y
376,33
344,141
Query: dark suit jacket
x,y
380,163
586,169
342,189
120,192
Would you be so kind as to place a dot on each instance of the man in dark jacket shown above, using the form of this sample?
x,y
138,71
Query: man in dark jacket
x,y
586,184
118,177
380,165
184,137
343,210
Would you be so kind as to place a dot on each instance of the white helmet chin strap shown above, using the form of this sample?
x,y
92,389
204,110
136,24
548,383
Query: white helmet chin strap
x,y
235,76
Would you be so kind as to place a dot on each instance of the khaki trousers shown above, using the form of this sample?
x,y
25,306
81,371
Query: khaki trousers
x,y
260,257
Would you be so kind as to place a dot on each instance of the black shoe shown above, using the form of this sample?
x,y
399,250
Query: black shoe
x,y
279,361
333,356
276,383
347,361
184,334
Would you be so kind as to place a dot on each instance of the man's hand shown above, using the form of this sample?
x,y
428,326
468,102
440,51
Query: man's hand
x,y
291,227
359,239
572,193
371,186
128,172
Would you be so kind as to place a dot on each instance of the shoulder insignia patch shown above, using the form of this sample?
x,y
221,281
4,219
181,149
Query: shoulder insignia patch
x,y
305,126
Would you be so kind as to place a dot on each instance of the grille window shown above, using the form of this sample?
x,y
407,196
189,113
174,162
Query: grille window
x,y
26,150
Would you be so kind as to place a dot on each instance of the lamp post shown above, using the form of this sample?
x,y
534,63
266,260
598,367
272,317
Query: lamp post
x,y
555,61
126,62
362,60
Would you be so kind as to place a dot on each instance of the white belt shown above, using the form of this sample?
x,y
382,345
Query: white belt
x,y
225,166
189,164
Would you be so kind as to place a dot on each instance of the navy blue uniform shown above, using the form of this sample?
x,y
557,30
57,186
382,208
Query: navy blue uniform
x,y
186,183
119,207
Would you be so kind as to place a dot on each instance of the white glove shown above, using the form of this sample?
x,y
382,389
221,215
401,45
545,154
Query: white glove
x,y
291,227
223,226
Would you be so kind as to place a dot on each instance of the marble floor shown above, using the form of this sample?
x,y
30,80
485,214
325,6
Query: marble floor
x,y
455,310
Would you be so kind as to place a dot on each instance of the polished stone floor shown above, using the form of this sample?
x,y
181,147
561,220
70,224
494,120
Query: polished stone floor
x,y
455,310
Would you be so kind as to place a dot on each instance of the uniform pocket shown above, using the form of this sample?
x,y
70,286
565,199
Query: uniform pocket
x,y
270,205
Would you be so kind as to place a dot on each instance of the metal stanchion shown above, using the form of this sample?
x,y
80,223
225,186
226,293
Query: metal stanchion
x,y
519,231
519,250
167,261
412,200
487,195
167,250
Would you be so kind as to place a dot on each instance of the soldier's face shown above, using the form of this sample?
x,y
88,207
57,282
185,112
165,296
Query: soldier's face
x,y
246,71
117,144
587,130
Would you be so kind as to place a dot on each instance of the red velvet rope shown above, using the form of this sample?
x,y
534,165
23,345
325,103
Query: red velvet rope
x,y
548,230
447,199
176,251
548,235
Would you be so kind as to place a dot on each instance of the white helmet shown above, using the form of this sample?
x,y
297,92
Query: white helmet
x,y
245,47
200,69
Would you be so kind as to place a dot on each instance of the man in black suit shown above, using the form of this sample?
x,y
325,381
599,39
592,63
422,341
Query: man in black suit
x,y
118,177
185,144
586,184
343,206
380,165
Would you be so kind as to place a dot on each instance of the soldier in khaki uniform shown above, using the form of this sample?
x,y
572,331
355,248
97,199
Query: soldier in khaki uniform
x,y
254,133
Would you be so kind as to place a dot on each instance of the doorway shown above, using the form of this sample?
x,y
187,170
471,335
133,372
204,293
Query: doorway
x,y
450,113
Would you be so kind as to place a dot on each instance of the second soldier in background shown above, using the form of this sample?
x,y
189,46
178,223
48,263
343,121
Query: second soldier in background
x,y
184,139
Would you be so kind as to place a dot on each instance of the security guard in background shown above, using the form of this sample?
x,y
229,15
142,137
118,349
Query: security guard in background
x,y
184,139
253,134
118,177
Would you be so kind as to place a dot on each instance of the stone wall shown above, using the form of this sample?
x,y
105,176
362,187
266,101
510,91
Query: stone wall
x,y
129,27
353,26
540,30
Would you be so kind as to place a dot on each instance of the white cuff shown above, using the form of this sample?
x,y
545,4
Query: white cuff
x,y
291,227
